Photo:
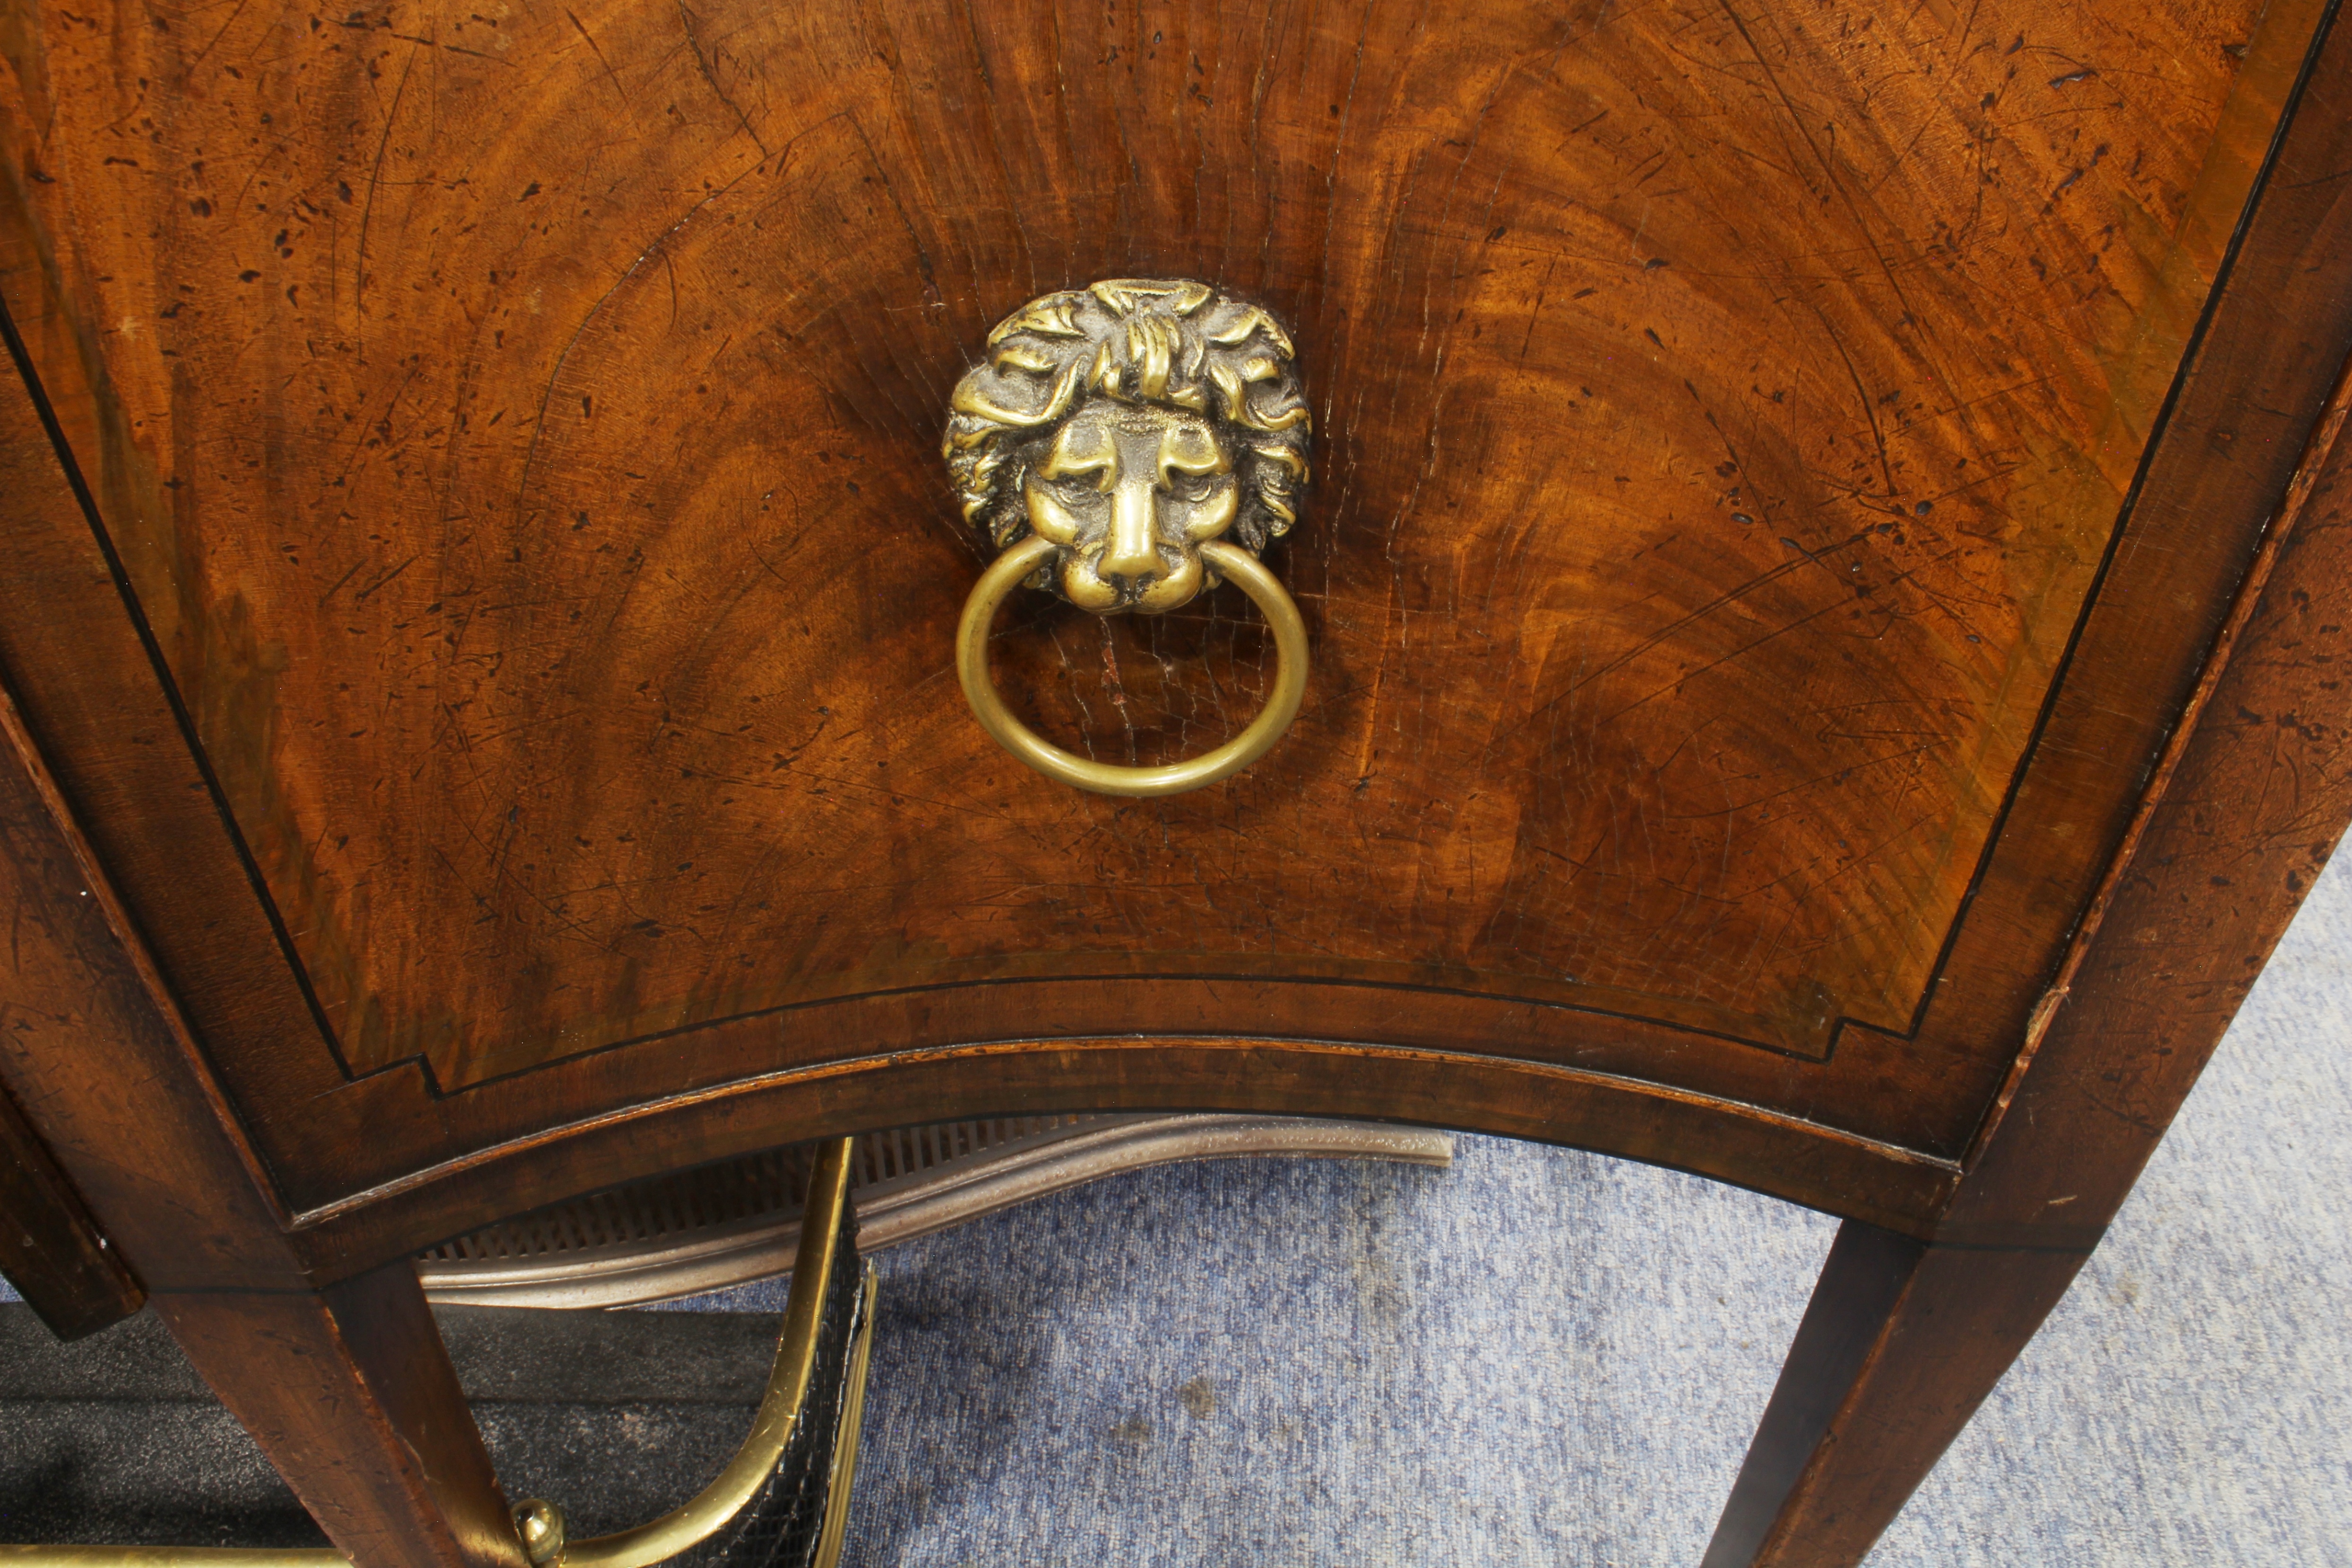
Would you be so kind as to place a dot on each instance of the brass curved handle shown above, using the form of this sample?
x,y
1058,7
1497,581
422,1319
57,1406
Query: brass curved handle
x,y
1006,572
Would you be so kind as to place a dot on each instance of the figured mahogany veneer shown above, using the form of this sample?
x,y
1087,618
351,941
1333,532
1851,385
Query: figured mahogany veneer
x,y
1725,424
1815,646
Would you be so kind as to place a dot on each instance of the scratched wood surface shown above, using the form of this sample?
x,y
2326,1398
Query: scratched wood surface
x,y
59,1262
517,429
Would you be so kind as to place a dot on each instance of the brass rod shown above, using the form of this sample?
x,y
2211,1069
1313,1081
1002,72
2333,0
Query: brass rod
x,y
844,1447
788,1385
673,1533
172,1557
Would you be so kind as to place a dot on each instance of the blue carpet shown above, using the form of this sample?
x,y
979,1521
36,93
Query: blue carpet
x,y
1549,1357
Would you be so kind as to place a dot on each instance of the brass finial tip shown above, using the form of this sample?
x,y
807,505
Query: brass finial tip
x,y
541,1524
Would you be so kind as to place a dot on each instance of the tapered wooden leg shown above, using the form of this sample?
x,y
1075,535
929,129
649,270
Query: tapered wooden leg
x,y
1900,1344
351,1393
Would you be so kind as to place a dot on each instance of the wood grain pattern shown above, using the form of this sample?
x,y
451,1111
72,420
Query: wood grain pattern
x,y
465,465
1899,1347
352,1395
2255,803
576,826
348,1389
1780,1155
60,1263
1903,1339
147,1142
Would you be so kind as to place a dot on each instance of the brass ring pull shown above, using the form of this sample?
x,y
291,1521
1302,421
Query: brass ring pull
x,y
1006,572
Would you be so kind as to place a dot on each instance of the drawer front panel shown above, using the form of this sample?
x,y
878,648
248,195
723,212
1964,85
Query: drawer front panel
x,y
522,437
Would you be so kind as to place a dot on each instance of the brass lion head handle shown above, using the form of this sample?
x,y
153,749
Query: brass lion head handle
x,y
1129,445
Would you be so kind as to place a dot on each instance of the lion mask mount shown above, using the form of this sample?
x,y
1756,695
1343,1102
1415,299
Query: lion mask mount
x,y
1129,424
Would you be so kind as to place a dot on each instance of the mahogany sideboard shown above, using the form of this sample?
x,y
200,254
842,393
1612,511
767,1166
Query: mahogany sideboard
x,y
1822,583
